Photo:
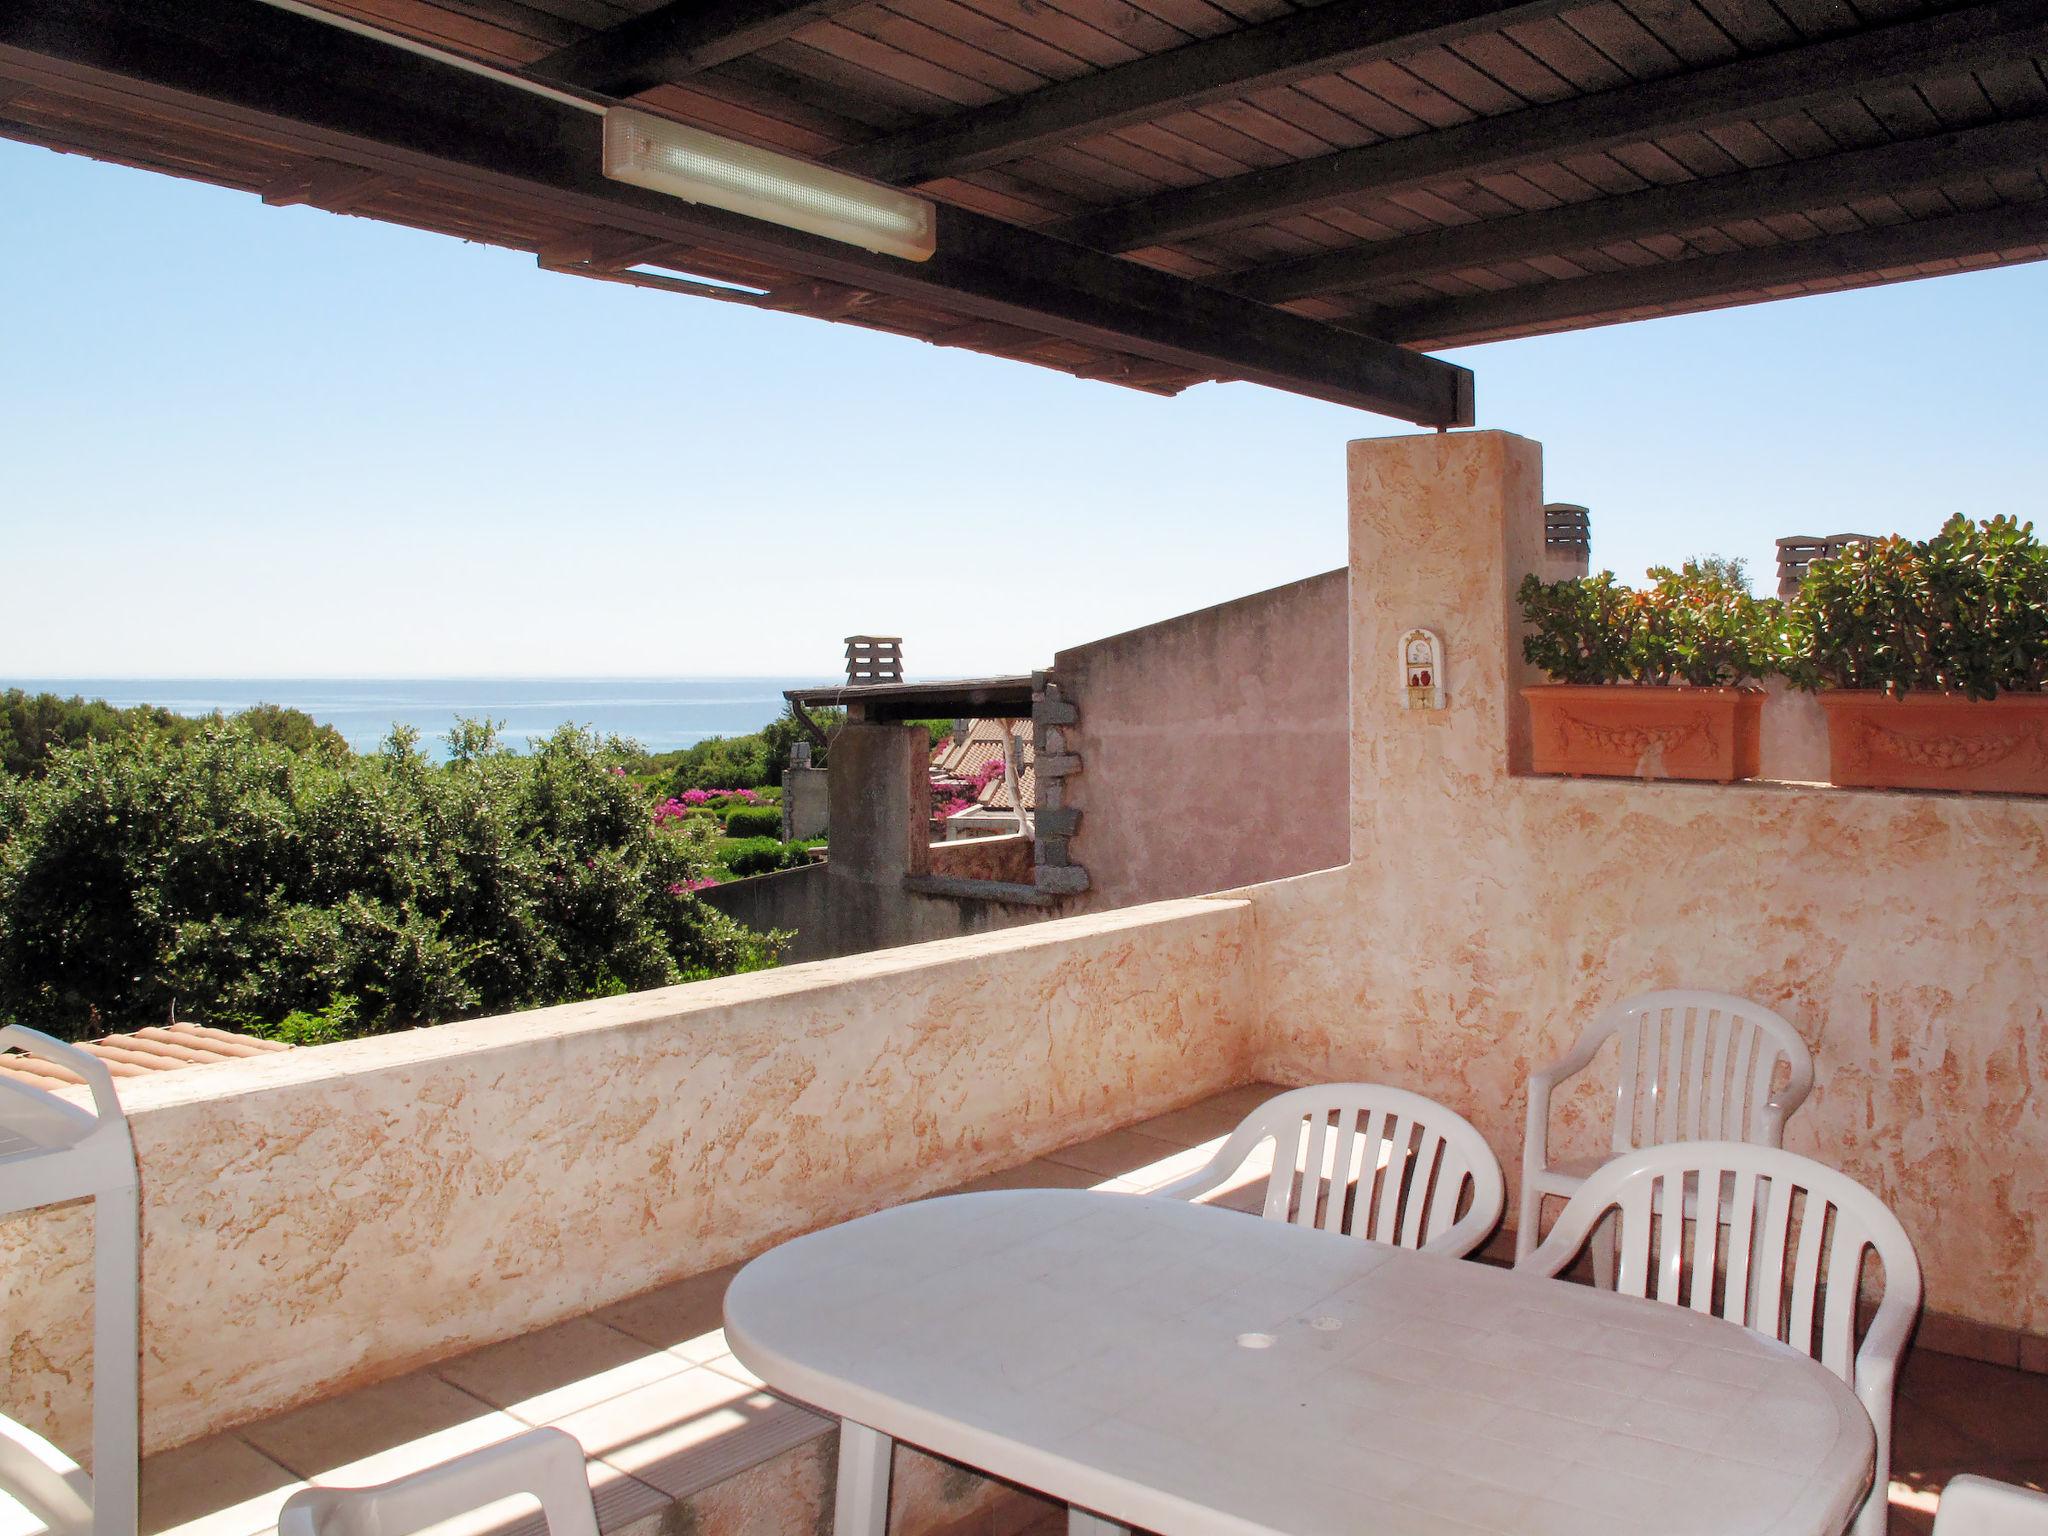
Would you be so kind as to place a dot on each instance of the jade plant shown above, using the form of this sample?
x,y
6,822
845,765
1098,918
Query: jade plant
x,y
1697,625
1963,612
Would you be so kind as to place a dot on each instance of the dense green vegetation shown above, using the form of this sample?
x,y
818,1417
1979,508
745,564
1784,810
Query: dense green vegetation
x,y
312,894
1699,624
35,726
739,762
1963,612
754,760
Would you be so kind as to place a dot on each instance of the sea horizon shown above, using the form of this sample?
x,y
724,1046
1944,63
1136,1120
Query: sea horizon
x,y
661,713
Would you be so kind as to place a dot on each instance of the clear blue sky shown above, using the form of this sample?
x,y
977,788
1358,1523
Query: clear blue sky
x,y
241,441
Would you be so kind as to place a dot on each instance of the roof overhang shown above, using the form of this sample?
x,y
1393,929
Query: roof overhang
x,y
1152,195
982,698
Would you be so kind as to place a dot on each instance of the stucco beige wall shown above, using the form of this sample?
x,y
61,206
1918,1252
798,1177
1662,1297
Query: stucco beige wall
x,y
335,1215
1212,746
1487,915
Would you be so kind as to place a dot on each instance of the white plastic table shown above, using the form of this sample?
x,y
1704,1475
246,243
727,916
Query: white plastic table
x,y
1186,1369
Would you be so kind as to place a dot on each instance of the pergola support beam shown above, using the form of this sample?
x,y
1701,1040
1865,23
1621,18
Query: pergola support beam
x,y
1795,187
336,96
1340,35
1867,256
677,40
1948,42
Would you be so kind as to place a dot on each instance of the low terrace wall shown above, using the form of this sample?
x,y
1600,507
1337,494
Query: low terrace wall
x,y
327,1217
1487,915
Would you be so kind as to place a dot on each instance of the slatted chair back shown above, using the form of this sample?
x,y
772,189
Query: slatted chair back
x,y
1701,1066
1788,1263
1368,1160
547,1464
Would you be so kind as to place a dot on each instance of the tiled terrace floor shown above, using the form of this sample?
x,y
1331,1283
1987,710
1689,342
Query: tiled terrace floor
x,y
685,1442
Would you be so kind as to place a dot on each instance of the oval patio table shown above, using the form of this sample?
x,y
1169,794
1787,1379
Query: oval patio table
x,y
1185,1369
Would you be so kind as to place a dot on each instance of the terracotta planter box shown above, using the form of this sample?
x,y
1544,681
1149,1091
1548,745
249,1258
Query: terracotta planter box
x,y
1629,732
1938,741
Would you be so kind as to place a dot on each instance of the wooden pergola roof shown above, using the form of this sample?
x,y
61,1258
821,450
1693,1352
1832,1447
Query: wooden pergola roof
x,y
1153,192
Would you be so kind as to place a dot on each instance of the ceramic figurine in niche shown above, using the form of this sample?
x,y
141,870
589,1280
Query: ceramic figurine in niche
x,y
1422,669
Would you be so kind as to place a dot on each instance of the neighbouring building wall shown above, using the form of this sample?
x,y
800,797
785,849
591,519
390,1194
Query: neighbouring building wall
x,y
867,894
805,811
1488,915
327,1217
1211,746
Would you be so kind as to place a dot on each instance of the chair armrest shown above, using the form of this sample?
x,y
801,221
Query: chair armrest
x,y
1536,1132
1543,1083
1200,1182
53,1486
1229,1157
1983,1505
88,1066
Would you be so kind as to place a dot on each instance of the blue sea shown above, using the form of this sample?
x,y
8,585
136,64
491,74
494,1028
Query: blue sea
x,y
660,713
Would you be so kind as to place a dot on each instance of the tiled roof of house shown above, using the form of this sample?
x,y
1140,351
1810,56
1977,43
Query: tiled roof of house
x,y
963,757
161,1049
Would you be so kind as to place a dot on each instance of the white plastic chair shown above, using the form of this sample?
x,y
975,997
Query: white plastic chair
x,y
1977,1506
53,1151
1804,1295
546,1463
42,1480
1695,1066
1429,1155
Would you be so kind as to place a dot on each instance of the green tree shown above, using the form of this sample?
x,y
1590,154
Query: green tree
x,y
249,883
34,726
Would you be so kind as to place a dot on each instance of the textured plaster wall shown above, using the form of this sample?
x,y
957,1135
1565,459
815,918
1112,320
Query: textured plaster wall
x,y
1212,746
1486,916
331,1216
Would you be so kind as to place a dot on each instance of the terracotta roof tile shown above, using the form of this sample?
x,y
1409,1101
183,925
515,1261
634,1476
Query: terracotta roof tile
x,y
161,1048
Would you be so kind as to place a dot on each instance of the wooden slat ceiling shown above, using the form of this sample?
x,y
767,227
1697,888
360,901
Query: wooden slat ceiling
x,y
1424,172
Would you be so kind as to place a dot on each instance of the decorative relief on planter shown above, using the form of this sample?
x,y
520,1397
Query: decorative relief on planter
x,y
1645,733
1937,741
1636,741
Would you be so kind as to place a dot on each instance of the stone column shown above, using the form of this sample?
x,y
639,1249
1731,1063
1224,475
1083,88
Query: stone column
x,y
880,803
1442,528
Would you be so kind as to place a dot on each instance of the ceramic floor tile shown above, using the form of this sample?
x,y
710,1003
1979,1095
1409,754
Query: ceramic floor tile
x,y
687,1432
556,1371
382,1431
2000,1410
1039,1173
1117,1154
220,1486
687,1317
1209,1120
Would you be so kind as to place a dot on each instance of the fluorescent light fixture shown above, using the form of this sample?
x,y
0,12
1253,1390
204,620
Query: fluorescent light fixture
x,y
700,167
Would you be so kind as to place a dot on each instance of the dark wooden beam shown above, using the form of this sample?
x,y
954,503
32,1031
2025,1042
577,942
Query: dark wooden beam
x,y
1338,35
242,67
1795,187
1740,277
334,188
1901,53
677,40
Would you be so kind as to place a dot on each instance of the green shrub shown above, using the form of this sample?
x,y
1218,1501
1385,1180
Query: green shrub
x,y
753,761
249,884
1695,625
1965,612
753,821
760,856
